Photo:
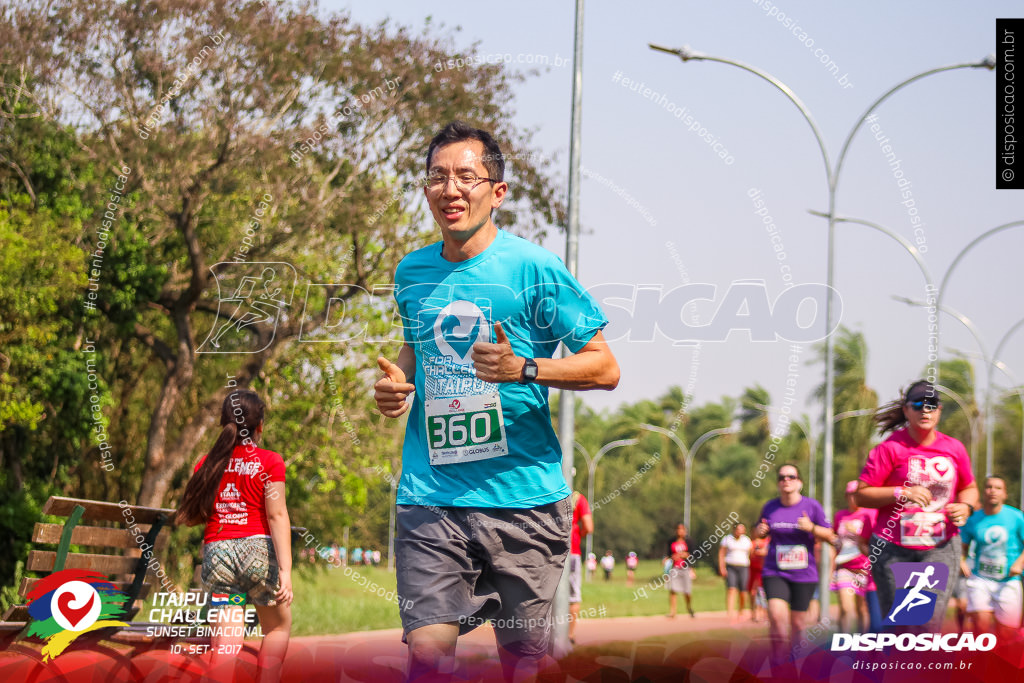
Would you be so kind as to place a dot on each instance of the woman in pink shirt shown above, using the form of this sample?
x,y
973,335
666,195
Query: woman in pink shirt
x,y
851,573
920,481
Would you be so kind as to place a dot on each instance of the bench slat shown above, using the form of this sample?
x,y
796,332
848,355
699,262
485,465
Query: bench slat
x,y
27,584
43,560
102,511
106,537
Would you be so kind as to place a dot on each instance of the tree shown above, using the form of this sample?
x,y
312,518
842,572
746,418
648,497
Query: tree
x,y
853,434
250,133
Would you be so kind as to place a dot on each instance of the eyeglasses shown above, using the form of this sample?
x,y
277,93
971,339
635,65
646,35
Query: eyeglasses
x,y
785,477
923,405
464,182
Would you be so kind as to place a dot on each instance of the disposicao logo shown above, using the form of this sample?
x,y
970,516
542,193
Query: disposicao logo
x,y
70,603
914,603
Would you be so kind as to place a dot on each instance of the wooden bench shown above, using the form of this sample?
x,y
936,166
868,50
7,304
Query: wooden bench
x,y
126,567
95,526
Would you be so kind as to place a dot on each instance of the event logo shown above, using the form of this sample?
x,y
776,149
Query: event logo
x,y
251,299
459,325
914,603
70,603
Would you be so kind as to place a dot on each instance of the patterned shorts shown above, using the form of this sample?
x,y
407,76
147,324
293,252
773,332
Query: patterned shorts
x,y
242,565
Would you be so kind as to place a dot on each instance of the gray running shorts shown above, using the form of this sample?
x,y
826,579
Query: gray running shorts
x,y
471,565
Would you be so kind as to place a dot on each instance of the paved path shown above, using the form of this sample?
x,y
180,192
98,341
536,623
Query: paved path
x,y
381,656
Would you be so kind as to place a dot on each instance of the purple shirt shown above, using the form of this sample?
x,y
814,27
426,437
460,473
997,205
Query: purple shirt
x,y
791,551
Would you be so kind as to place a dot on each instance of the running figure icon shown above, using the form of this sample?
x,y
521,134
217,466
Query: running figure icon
x,y
915,598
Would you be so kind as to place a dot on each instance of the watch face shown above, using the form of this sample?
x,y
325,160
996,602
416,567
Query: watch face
x,y
530,370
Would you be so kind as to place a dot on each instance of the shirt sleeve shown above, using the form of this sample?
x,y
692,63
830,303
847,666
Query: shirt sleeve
x,y
869,524
275,468
567,311
583,506
964,475
819,517
878,466
967,530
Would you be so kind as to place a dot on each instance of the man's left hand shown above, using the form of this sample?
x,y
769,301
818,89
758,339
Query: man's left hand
x,y
497,362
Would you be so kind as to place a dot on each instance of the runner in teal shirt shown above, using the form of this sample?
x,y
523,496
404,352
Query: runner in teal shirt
x,y
483,515
993,584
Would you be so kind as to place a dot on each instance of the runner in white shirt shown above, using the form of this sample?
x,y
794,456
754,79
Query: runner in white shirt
x,y
734,566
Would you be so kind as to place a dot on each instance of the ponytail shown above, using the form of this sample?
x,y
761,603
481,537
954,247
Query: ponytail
x,y
241,414
890,417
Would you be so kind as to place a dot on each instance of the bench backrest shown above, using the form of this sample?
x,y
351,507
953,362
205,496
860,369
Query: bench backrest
x,y
112,529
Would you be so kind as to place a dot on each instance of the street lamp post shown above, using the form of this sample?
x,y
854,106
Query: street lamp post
x,y
990,361
688,455
592,470
832,176
809,436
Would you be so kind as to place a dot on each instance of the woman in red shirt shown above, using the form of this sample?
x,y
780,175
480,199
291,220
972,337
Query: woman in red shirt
x,y
758,603
237,491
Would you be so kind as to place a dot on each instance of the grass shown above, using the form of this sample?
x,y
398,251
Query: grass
x,y
330,601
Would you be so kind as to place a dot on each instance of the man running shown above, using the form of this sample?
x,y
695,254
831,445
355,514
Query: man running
x,y
994,583
483,511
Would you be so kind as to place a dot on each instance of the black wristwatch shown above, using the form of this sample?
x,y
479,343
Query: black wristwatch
x,y
529,372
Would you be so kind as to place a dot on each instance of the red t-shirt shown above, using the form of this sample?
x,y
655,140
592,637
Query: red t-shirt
x,y
757,561
676,546
581,508
943,467
240,509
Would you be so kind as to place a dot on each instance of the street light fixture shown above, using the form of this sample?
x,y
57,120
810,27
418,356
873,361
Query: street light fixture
x,y
688,455
832,175
990,361
592,470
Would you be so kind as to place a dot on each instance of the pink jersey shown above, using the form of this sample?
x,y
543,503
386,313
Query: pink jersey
x,y
850,526
943,467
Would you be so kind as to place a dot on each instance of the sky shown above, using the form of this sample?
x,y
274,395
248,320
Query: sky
x,y
703,174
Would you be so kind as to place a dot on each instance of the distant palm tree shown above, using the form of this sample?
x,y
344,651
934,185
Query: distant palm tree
x,y
754,420
853,437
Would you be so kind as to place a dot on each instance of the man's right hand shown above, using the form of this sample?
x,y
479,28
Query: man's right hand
x,y
391,390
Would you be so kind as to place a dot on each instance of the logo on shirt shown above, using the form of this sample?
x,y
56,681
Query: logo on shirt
x,y
935,474
230,492
921,582
458,326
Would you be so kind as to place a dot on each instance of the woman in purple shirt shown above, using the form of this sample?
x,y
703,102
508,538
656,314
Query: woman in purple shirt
x,y
790,571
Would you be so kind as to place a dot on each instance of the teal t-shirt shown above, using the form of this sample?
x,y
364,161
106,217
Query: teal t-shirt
x,y
998,541
470,443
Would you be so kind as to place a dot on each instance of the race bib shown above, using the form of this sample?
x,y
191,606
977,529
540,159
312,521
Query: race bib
x,y
922,528
462,413
992,569
465,429
789,557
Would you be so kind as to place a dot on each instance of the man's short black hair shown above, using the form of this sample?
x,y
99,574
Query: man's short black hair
x,y
457,131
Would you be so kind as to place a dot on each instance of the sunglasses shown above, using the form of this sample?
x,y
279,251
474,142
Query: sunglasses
x,y
923,405
784,477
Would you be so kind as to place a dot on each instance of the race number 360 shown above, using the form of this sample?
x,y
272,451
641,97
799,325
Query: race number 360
x,y
464,429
